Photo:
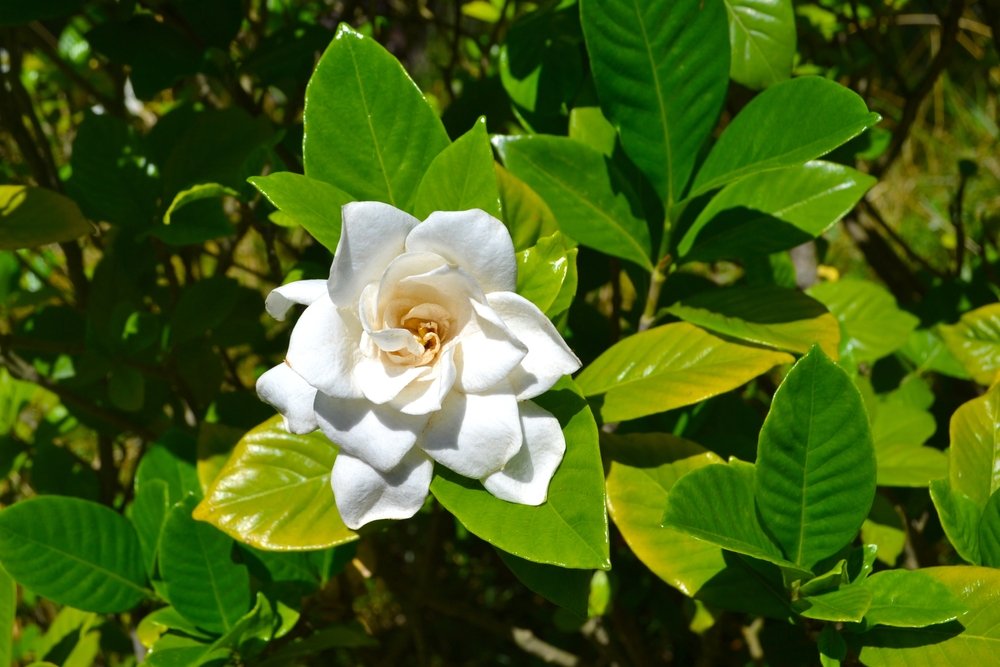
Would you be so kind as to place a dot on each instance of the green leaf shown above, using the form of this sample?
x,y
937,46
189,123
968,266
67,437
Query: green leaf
x,y
546,274
305,201
989,532
910,599
715,503
790,123
885,527
927,350
74,552
274,492
32,216
681,365
762,41
147,512
570,529
970,640
197,193
526,215
564,587
660,69
461,177
975,342
202,581
368,129
815,476
767,315
873,326
847,604
975,447
589,126
773,210
172,460
591,201
8,615
898,430
832,647
960,518
14,13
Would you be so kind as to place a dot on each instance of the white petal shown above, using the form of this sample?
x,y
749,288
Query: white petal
x,y
394,340
382,381
304,292
525,479
379,436
427,394
473,240
488,351
474,434
363,494
292,396
371,236
548,358
425,279
324,348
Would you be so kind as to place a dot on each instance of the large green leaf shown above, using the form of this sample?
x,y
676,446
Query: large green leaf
x,y
989,532
773,210
564,587
970,640
461,177
591,201
172,460
147,513
570,528
790,123
368,129
873,325
975,342
306,201
32,216
815,476
643,470
767,315
899,428
847,604
669,367
975,447
661,71
8,615
762,40
910,599
527,216
546,274
202,581
274,492
73,551
927,350
960,518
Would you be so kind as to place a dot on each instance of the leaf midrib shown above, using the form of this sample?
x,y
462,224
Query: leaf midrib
x,y
371,128
659,103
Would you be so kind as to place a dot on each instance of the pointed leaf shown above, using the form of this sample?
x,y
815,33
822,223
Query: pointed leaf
x,y
790,123
368,129
767,315
147,513
661,71
461,177
591,201
847,604
910,599
762,39
564,587
975,447
74,552
527,216
546,274
975,342
815,462
274,492
312,203
570,529
960,518
680,365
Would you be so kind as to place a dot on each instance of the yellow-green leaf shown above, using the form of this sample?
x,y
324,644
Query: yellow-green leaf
x,y
32,216
975,341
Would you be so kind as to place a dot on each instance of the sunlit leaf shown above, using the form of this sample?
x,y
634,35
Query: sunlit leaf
x,y
308,202
461,177
910,599
975,447
975,342
32,216
762,39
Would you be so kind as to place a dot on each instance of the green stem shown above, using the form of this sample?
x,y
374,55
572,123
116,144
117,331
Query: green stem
x,y
656,281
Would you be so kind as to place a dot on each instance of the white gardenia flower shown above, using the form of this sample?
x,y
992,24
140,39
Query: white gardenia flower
x,y
418,350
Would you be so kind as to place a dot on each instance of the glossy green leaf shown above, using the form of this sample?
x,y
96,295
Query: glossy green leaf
x,y
32,216
762,41
715,503
147,513
969,640
927,350
564,587
156,623
960,518
8,615
589,126
589,198
74,552
546,274
815,476
975,342
910,599
661,72
527,216
570,529
461,177
197,193
847,604
975,447
368,129
873,325
669,367
767,315
274,492
202,581
306,201
171,460
773,210
989,532
790,123
898,430
832,647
